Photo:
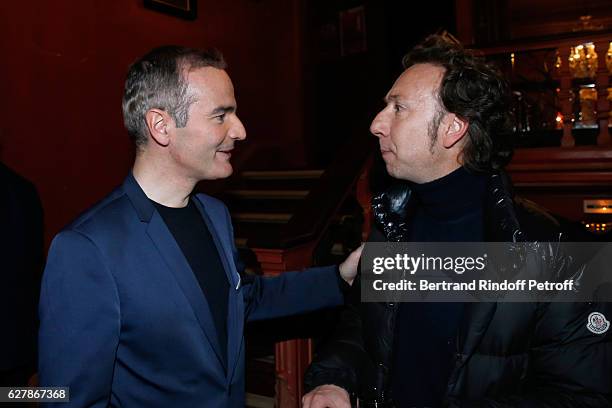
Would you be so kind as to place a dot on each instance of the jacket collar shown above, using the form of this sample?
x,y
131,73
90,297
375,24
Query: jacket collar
x,y
501,225
390,210
143,206
501,222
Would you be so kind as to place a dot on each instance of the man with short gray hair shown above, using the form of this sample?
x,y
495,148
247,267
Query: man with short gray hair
x,y
143,302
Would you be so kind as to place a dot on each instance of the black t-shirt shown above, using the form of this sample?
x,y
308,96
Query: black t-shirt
x,y
193,237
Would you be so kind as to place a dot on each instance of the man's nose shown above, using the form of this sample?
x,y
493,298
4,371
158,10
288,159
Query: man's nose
x,y
237,130
379,126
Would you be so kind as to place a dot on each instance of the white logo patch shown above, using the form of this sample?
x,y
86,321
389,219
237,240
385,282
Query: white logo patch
x,y
597,323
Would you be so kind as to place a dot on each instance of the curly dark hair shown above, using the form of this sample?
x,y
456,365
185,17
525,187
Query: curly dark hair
x,y
158,80
476,92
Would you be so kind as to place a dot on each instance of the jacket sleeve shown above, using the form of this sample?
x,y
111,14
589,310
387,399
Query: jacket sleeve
x,y
79,322
289,293
569,365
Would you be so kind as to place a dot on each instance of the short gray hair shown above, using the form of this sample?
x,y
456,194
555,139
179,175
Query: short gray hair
x,y
158,80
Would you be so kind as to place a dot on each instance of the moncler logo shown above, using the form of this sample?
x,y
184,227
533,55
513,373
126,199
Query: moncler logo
x,y
597,323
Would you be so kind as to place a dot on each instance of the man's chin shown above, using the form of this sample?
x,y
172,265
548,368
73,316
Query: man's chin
x,y
219,174
398,173
225,172
391,170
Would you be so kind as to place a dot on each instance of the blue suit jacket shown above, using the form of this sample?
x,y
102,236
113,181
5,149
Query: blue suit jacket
x,y
124,322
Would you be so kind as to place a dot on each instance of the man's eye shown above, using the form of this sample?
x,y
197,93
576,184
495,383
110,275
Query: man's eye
x,y
220,118
397,107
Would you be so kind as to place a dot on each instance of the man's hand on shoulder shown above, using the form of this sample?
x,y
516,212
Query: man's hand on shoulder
x,y
328,396
348,268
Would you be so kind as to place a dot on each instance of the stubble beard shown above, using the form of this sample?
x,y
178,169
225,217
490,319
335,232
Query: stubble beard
x,y
433,126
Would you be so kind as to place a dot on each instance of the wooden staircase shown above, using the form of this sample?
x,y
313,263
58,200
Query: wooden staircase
x,y
262,204
289,220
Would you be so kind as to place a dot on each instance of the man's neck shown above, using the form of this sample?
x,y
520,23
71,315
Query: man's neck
x,y
161,183
441,170
451,197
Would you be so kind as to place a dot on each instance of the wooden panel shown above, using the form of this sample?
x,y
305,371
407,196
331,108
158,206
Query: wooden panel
x,y
561,179
292,356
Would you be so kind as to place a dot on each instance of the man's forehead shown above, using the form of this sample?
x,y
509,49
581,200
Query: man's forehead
x,y
417,78
210,82
208,76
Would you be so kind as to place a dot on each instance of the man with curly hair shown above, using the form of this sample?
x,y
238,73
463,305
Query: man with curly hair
x,y
442,134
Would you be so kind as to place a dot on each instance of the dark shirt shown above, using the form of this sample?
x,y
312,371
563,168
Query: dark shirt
x,y
449,209
195,241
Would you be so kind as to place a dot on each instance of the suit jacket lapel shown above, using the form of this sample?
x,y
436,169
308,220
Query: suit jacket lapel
x,y
173,256
223,254
217,222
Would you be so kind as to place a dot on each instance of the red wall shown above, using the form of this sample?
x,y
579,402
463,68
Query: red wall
x,y
63,66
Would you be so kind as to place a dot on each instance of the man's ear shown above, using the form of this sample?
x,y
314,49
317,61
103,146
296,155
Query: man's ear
x,y
158,122
454,129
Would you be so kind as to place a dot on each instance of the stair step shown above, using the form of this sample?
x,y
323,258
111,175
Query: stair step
x,y
246,230
258,401
268,194
262,206
269,359
274,184
254,217
281,174
277,180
